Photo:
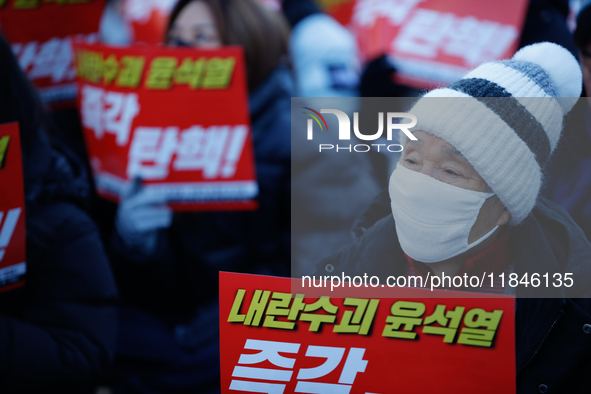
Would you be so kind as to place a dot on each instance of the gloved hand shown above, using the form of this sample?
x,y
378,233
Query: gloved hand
x,y
139,217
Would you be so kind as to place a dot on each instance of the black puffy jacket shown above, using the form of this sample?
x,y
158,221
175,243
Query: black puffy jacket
x,y
58,331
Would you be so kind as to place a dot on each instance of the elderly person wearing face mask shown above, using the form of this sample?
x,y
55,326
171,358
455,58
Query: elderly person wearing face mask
x,y
464,200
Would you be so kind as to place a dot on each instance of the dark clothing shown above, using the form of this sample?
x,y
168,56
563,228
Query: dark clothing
x,y
568,179
58,332
546,21
297,10
552,341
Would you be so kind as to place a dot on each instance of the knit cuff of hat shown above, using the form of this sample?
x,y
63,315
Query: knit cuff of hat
x,y
499,156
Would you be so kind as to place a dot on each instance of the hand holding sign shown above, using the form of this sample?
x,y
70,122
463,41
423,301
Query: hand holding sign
x,y
140,215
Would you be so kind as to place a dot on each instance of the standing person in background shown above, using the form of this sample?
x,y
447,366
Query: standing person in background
x,y
167,265
569,176
323,68
57,332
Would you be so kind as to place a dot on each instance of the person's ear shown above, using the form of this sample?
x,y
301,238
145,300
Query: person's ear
x,y
504,218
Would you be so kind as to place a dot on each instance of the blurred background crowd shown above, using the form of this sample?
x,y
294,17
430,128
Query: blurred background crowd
x,y
123,297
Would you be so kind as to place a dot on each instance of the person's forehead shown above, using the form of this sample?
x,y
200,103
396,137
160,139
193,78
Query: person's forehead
x,y
195,13
427,140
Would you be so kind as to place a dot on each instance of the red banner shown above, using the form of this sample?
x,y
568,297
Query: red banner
x,y
41,34
12,209
341,10
272,341
175,117
436,42
148,19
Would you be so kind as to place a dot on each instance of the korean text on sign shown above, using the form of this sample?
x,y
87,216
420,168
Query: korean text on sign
x,y
276,340
42,42
176,118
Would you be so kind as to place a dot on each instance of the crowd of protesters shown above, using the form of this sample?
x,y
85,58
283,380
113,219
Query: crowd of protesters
x,y
125,296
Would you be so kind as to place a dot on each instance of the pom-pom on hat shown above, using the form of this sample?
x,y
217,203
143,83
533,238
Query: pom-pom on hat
x,y
510,119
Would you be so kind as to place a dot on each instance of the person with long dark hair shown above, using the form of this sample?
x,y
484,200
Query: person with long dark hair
x,y
167,264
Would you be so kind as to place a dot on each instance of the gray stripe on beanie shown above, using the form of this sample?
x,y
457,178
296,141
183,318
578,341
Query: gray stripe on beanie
x,y
511,111
479,87
535,73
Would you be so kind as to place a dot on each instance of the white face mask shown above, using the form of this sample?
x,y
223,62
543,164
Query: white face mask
x,y
433,218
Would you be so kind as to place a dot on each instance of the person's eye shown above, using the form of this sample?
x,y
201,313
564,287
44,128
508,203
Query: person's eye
x,y
453,173
410,161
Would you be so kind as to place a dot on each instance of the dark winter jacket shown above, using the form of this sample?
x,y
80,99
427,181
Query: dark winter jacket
x,y
58,331
183,271
568,179
546,21
553,335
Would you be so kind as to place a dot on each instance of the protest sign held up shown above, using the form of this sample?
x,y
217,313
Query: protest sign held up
x,y
12,209
273,341
41,34
176,118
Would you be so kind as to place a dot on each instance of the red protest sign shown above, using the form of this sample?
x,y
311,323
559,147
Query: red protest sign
x,y
41,34
148,19
12,209
341,10
436,42
176,118
271,342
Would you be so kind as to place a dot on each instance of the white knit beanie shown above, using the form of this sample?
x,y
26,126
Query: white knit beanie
x,y
510,119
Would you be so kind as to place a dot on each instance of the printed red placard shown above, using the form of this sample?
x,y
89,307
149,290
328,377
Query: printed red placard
x,y
177,118
273,341
41,33
435,42
147,19
12,209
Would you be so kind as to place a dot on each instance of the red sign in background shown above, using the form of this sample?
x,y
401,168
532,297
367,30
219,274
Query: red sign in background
x,y
432,42
341,10
176,118
148,19
273,343
12,209
41,34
